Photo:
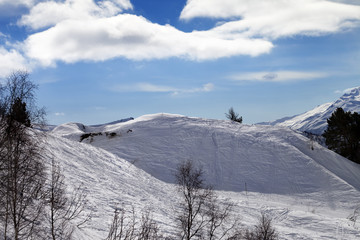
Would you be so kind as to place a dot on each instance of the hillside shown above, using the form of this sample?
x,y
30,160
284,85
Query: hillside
x,y
110,183
309,193
267,159
315,120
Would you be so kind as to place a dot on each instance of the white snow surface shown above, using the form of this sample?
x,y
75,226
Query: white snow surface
x,y
309,193
315,121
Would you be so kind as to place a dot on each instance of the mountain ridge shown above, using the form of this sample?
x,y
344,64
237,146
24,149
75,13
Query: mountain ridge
x,y
315,120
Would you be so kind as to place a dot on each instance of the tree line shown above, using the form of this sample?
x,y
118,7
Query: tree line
x,y
34,202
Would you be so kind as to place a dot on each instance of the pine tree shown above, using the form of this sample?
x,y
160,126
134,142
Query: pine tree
x,y
343,134
19,112
233,116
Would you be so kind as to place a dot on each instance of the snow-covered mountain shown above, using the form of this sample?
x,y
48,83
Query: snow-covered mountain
x,y
309,193
315,121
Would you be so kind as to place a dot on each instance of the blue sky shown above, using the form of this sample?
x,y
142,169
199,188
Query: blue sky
x,y
100,61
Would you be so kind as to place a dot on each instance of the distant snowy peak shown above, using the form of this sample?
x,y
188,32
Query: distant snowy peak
x,y
351,99
315,121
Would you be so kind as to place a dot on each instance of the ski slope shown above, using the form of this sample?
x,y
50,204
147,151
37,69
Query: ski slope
x,y
309,190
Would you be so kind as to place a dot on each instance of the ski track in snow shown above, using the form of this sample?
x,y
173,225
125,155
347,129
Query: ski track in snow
x,y
308,193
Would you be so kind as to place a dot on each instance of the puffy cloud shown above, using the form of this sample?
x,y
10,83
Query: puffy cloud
x,y
88,30
11,60
46,14
275,18
132,37
14,8
280,76
81,30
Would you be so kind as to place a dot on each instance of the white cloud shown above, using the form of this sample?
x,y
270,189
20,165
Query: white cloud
x,y
46,14
10,61
152,88
26,3
280,76
59,114
86,30
275,18
135,38
14,8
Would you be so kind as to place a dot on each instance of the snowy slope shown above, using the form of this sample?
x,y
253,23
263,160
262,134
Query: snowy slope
x,y
267,159
309,193
110,183
314,121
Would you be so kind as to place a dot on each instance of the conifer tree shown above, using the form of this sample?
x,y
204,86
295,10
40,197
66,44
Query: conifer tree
x,y
233,116
343,134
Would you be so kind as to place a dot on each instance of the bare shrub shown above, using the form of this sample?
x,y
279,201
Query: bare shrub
x,y
64,208
263,230
126,226
201,214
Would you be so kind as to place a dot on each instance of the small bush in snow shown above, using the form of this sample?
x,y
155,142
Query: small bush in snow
x,y
263,230
233,116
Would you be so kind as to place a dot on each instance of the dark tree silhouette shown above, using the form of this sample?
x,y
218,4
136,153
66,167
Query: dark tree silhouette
x,y
19,113
343,134
233,116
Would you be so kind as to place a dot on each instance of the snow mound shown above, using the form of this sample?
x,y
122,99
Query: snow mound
x,y
234,157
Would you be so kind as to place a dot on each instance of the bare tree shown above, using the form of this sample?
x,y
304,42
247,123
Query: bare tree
x,y
19,90
21,167
202,215
263,230
194,197
64,209
219,224
125,226
149,229
122,226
